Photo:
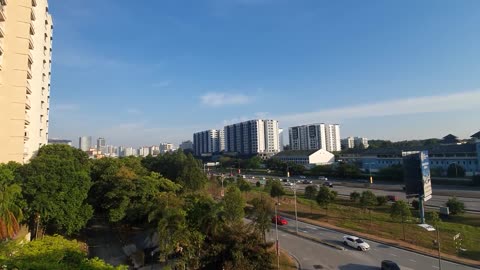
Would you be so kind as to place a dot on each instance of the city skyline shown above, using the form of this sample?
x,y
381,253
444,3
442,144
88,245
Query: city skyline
x,y
205,67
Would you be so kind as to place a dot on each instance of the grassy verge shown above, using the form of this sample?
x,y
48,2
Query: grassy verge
x,y
347,215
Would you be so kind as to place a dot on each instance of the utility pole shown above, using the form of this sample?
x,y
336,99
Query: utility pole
x,y
438,244
276,231
295,196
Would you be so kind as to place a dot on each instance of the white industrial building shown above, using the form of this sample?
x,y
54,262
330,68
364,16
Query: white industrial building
x,y
307,158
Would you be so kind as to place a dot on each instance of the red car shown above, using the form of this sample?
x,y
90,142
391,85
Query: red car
x,y
280,220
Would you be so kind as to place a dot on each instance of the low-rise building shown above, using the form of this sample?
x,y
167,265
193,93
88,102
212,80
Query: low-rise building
x,y
307,158
449,153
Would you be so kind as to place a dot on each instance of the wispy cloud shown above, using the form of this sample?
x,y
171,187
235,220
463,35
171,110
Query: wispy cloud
x,y
66,107
217,99
407,106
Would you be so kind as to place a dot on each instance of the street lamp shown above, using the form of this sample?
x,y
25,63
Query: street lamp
x,y
295,196
431,229
276,231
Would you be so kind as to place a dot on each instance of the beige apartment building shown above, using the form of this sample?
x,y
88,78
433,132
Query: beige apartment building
x,y
25,62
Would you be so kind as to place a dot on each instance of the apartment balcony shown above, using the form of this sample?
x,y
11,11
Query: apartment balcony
x,y
27,119
27,103
32,29
30,43
32,15
2,29
29,90
29,74
34,3
26,136
25,151
3,17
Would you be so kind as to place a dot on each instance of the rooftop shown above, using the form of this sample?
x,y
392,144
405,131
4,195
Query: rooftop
x,y
295,153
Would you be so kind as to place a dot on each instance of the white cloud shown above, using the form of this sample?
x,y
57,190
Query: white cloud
x,y
216,99
415,105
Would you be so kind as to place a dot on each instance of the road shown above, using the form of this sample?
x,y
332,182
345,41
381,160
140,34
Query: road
x,y
471,198
311,254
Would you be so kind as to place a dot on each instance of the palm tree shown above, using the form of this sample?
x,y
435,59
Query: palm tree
x,y
10,213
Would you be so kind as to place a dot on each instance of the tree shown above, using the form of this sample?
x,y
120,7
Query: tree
x,y
381,200
311,192
52,252
276,190
261,213
55,185
234,205
368,199
394,172
253,163
354,196
455,170
455,206
243,185
325,196
400,211
347,170
433,218
11,203
322,170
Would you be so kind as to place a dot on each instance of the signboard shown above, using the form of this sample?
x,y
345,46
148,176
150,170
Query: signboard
x,y
426,179
456,237
416,167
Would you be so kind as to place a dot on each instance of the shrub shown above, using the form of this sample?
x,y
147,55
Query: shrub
x,y
354,196
415,204
381,200
455,206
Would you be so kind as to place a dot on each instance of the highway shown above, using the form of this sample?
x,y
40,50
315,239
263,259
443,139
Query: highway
x,y
313,256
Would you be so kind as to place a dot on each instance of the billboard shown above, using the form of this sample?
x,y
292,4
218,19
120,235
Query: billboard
x,y
416,167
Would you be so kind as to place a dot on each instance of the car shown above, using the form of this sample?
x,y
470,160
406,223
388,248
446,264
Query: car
x,y
356,243
302,177
389,265
289,184
307,181
323,178
279,220
328,184
284,180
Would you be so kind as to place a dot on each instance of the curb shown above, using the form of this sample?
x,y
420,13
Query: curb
x,y
339,230
299,265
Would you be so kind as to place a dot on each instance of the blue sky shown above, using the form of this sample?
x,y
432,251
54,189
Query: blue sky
x,y
145,72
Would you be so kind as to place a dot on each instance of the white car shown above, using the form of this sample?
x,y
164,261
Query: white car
x,y
288,184
356,243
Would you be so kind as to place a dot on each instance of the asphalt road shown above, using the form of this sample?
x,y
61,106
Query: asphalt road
x,y
471,198
311,254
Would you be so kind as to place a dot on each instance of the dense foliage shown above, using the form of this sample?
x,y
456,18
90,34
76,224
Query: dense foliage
x,y
455,206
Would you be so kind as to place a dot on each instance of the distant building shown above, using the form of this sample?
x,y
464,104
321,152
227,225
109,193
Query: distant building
x,y
186,145
101,145
129,151
166,147
307,158
280,140
354,142
315,136
85,143
466,155
144,151
253,137
154,150
60,141
209,142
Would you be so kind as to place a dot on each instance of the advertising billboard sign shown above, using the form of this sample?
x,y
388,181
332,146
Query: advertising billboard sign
x,y
416,167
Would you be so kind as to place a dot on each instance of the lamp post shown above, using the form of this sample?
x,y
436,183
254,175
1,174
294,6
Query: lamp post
x,y
295,197
438,245
277,241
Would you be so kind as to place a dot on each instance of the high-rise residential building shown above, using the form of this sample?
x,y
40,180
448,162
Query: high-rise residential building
x,y
315,136
332,132
253,137
85,143
308,137
144,151
166,147
361,142
129,151
101,145
209,142
154,150
25,61
348,143
186,145
280,139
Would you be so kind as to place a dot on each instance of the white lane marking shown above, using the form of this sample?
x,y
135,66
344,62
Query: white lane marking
x,y
313,228
393,255
413,261
436,267
305,231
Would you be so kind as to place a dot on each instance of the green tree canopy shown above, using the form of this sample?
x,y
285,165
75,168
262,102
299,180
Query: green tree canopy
x,y
368,199
55,185
234,205
355,196
455,206
400,210
261,213
325,196
276,189
311,192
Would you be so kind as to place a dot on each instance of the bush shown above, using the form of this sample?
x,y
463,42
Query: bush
x,y
354,196
311,192
381,200
258,184
455,206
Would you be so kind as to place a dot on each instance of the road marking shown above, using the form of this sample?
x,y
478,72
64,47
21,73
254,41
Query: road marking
x,y
313,228
413,261
436,267
393,255
305,231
